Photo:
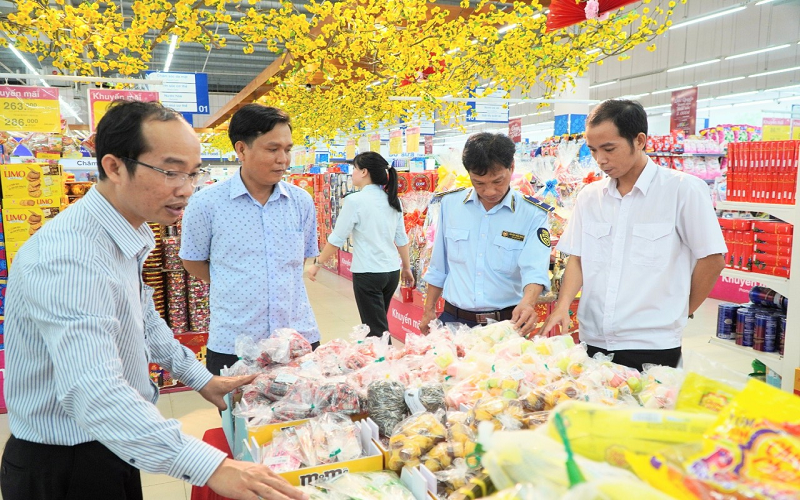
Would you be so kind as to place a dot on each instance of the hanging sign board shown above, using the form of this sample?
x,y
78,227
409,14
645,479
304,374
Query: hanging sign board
x,y
684,111
101,99
396,142
412,139
29,109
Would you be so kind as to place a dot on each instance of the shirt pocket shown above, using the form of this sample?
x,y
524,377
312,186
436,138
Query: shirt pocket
x,y
457,244
295,248
596,242
651,243
506,255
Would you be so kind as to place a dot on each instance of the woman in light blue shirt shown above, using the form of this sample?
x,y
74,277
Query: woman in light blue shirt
x,y
374,217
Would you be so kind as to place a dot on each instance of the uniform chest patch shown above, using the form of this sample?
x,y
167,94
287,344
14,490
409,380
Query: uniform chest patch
x,y
513,236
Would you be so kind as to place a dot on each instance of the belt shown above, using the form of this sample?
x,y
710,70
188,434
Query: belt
x,y
479,317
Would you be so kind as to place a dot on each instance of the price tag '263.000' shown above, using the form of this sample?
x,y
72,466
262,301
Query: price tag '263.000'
x,y
29,109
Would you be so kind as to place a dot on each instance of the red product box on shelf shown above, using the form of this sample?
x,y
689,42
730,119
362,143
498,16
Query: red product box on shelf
x,y
746,254
768,249
737,249
768,260
403,183
725,223
774,239
742,224
772,227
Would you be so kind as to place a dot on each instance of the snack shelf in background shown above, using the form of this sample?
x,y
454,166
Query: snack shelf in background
x,y
786,287
772,359
763,172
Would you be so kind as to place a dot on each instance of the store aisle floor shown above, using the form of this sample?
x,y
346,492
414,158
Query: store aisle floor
x,y
333,303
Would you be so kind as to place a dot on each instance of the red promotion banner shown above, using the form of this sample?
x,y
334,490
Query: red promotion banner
x,y
428,144
684,111
101,99
515,129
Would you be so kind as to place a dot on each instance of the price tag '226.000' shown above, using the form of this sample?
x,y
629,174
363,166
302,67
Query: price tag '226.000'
x,y
29,109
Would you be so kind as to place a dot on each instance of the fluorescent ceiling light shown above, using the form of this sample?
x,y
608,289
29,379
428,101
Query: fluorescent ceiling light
x,y
706,18
506,28
634,96
693,65
449,52
667,114
740,94
597,85
593,51
775,72
717,82
779,89
651,108
754,103
172,44
784,99
762,2
671,90
24,61
69,109
761,51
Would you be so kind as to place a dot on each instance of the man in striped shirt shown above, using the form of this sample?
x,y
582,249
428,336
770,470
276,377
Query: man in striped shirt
x,y
81,328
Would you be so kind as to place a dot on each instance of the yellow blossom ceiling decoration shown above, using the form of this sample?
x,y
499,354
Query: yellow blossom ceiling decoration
x,y
340,65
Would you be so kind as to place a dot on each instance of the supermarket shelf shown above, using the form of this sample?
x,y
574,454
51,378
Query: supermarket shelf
x,y
771,359
688,155
785,213
780,285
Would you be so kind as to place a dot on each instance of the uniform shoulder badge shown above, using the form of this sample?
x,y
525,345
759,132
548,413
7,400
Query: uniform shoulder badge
x,y
535,202
443,193
437,197
544,236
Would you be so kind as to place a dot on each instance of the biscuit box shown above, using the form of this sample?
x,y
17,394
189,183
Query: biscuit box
x,y
54,201
32,180
20,224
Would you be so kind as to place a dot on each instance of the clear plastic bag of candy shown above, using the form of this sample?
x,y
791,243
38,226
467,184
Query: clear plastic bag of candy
x,y
504,414
455,477
273,385
414,437
548,397
335,396
386,404
367,486
460,442
283,453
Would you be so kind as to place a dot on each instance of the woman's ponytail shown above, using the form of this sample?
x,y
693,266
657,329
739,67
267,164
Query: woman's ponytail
x,y
391,190
380,173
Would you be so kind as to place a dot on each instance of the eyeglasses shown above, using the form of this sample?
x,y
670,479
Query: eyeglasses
x,y
174,178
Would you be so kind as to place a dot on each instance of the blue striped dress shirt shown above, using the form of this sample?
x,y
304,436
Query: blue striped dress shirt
x,y
80,330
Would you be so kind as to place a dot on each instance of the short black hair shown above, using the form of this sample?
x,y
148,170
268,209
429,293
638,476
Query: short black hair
x,y
119,132
485,151
629,117
253,120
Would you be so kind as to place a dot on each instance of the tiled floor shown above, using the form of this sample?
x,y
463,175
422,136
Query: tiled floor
x,y
332,300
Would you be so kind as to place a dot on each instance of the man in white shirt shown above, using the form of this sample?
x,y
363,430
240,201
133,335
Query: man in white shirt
x,y
644,245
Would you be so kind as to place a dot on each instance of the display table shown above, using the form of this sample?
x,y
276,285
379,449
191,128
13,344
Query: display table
x,y
216,438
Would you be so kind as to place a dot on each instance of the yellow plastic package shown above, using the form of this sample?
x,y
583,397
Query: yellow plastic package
x,y
752,451
520,457
603,433
705,395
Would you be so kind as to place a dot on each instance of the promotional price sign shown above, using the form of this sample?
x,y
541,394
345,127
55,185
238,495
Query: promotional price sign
x,y
29,109
350,149
684,111
428,144
375,143
101,99
515,129
412,139
395,142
